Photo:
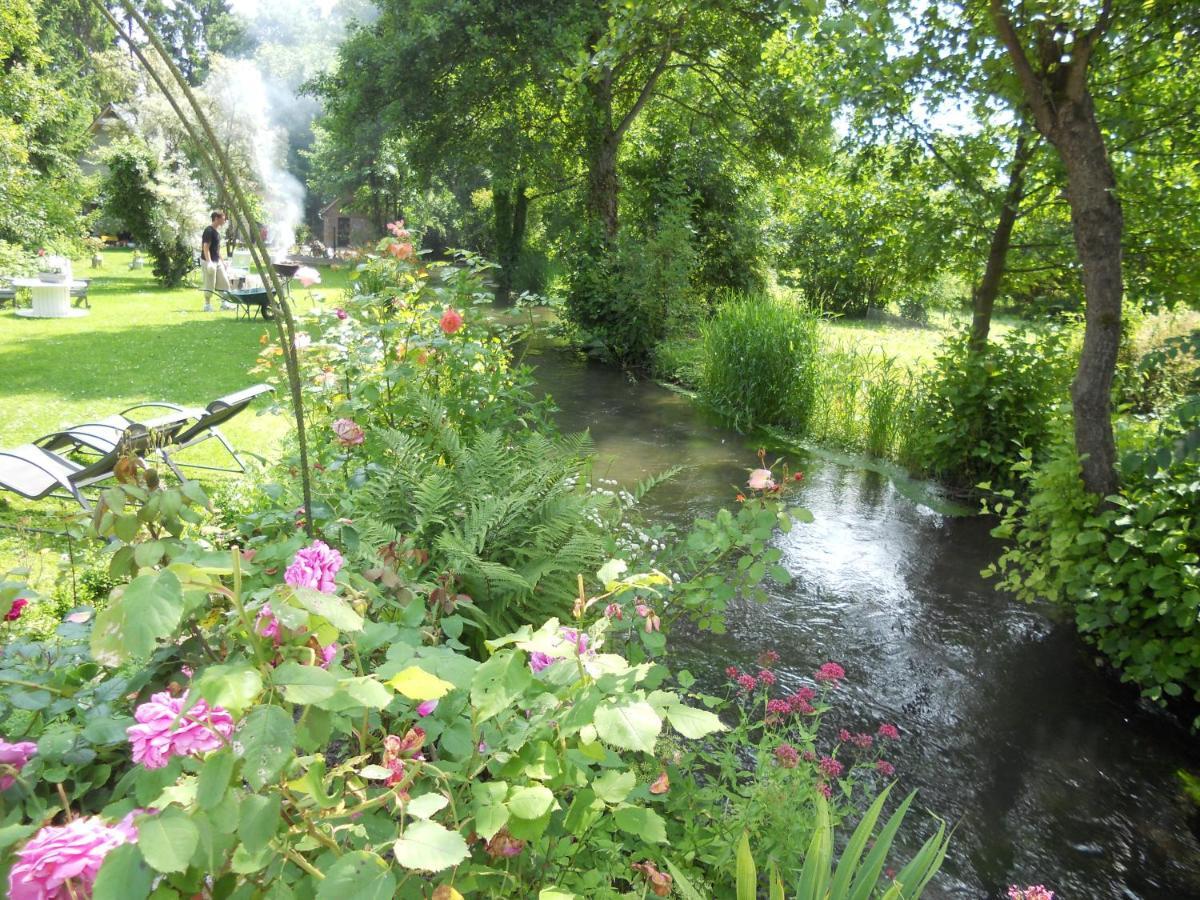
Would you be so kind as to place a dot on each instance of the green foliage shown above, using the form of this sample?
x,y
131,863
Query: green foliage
x,y
863,400
508,515
139,192
1129,570
975,411
846,233
760,361
43,129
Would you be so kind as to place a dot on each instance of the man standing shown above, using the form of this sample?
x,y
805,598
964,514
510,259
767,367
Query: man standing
x,y
211,263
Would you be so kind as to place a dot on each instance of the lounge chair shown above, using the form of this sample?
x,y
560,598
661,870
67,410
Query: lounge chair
x,y
35,471
205,425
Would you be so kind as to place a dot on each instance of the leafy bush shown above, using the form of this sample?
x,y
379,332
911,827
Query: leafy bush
x,y
625,298
760,361
974,412
322,737
1130,569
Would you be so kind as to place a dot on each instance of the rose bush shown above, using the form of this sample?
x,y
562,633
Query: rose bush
x,y
374,712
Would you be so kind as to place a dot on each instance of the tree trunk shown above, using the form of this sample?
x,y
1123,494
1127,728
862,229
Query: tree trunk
x,y
1098,223
984,296
510,214
603,146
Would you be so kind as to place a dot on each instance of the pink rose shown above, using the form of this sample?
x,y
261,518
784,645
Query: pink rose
x,y
424,709
14,611
341,314
314,567
14,756
308,276
167,727
761,480
59,853
349,433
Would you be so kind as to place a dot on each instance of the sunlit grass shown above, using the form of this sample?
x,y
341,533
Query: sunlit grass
x,y
140,343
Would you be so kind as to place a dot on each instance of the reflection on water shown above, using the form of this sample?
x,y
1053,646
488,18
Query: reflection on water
x,y
1049,768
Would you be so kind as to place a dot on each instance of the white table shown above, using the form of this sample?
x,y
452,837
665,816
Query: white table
x,y
51,299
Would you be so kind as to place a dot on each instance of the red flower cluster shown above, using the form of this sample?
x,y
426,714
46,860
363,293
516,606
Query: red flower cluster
x,y
786,756
885,768
830,766
830,673
891,732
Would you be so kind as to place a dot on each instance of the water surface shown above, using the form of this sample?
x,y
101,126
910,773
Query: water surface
x,y
1051,770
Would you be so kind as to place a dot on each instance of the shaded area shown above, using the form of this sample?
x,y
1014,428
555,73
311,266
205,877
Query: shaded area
x,y
1053,771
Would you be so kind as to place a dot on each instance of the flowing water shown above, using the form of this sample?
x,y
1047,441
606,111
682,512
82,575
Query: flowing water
x,y
1051,771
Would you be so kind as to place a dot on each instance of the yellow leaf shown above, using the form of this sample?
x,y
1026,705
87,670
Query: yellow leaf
x,y
446,892
417,684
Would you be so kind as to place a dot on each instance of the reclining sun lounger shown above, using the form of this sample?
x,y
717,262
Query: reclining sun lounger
x,y
36,472
204,426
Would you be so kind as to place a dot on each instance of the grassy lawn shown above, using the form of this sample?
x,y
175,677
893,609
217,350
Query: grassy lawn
x,y
140,343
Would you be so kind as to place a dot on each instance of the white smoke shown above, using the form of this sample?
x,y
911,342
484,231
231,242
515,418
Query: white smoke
x,y
260,96
249,122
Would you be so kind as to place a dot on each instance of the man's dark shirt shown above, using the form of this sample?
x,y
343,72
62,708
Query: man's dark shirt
x,y
212,238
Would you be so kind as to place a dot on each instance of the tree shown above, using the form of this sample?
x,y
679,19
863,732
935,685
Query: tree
x,y
1053,66
43,128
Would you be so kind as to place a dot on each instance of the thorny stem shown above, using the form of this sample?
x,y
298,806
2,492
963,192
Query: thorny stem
x,y
303,863
66,804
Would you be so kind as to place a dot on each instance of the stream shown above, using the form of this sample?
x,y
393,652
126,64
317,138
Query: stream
x,y
1052,772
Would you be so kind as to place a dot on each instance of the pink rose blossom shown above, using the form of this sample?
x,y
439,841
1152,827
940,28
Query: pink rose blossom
x,y
14,757
451,321
328,654
578,638
341,314
830,673
349,433
268,626
314,567
60,853
308,276
424,709
167,727
14,611
761,480
891,732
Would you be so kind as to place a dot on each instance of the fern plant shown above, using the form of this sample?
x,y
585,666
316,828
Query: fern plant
x,y
509,514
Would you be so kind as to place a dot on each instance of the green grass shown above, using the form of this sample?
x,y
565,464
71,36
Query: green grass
x,y
140,343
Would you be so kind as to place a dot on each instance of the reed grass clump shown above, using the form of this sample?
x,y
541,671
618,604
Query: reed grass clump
x,y
760,361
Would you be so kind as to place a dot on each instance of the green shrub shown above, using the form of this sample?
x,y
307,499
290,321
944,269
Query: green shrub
x,y
1130,570
974,412
760,361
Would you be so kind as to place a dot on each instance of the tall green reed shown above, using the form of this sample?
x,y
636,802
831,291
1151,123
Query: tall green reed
x,y
760,361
